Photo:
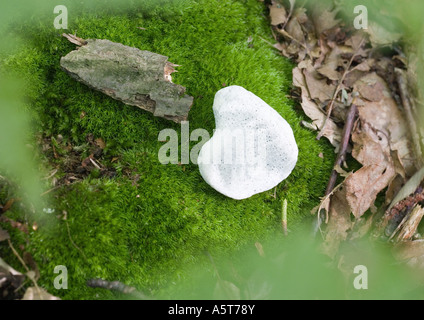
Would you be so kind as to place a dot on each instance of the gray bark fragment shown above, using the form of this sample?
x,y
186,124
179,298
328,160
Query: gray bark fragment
x,y
135,77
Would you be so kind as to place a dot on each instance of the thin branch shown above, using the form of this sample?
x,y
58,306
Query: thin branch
x,y
17,255
74,39
292,4
284,217
341,156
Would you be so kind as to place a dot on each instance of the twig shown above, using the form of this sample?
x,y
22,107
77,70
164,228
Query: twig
x,y
50,190
267,42
341,156
50,175
95,164
117,286
292,3
284,217
17,255
286,34
74,39
336,92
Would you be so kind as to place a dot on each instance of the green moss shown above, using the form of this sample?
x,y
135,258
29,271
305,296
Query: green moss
x,y
150,233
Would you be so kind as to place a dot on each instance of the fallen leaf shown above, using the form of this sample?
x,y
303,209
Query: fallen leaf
x,y
332,63
379,36
332,132
369,89
277,13
371,149
316,85
323,16
386,118
295,30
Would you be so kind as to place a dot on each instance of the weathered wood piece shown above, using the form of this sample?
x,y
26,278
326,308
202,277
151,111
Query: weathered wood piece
x,y
135,77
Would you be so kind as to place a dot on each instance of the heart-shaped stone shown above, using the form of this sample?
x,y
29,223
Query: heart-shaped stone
x,y
253,148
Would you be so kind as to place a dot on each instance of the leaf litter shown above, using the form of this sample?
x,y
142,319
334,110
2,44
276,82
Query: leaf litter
x,y
339,67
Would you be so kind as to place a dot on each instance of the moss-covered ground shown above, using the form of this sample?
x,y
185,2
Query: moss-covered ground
x,y
149,234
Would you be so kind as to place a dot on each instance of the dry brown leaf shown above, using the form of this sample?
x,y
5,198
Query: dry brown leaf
x,y
329,68
277,13
364,185
100,143
371,149
311,109
352,77
379,36
357,42
393,189
364,65
335,62
370,88
316,85
385,117
323,16
295,30
339,224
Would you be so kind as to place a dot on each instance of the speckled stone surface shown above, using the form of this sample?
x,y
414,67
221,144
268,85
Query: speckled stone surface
x,y
252,149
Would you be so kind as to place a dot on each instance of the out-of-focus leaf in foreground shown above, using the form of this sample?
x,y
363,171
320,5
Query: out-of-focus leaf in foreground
x,y
15,155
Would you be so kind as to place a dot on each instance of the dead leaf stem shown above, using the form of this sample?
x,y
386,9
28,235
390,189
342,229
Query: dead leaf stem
x,y
341,156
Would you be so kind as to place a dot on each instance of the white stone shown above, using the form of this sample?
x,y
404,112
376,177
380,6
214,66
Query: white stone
x,y
252,149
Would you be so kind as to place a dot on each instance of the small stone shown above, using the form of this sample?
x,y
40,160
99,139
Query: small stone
x,y
135,77
253,148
